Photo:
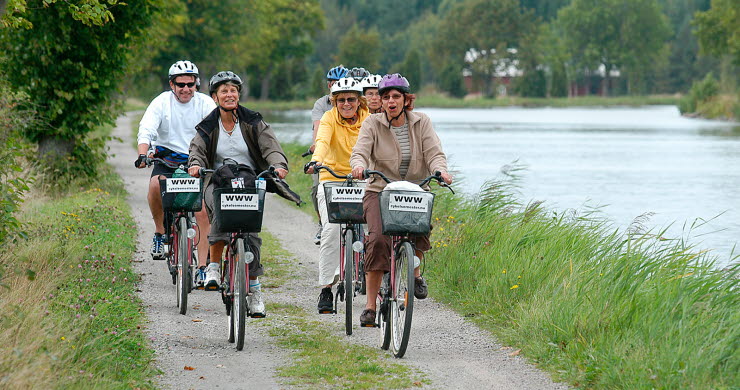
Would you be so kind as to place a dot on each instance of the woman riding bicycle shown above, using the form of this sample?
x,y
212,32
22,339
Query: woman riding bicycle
x,y
370,90
234,132
403,145
335,138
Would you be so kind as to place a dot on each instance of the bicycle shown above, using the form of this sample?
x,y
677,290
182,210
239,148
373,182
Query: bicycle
x,y
239,211
404,214
180,198
344,206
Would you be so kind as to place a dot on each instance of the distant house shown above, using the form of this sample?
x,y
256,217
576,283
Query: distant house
x,y
591,82
503,69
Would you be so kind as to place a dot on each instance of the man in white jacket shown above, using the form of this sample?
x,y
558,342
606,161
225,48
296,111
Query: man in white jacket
x,y
168,126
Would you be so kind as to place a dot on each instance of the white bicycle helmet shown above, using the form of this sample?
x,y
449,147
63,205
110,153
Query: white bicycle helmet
x,y
185,67
346,84
371,81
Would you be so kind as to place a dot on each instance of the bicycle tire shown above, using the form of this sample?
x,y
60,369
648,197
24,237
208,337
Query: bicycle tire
x,y
383,303
402,308
361,261
182,264
227,294
239,310
349,287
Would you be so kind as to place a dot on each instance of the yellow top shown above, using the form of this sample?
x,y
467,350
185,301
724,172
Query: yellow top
x,y
334,142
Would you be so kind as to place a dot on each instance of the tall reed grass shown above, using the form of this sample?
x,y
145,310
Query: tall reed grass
x,y
598,307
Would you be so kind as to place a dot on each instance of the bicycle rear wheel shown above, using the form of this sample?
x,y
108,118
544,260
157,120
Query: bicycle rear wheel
x,y
402,307
349,287
182,263
239,309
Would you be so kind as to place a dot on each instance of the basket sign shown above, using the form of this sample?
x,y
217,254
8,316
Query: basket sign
x,y
188,184
347,194
240,202
411,203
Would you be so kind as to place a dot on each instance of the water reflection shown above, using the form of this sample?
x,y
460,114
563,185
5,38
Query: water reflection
x,y
631,161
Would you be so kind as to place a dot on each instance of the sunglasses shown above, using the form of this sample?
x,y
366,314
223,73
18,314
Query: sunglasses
x,y
349,100
183,85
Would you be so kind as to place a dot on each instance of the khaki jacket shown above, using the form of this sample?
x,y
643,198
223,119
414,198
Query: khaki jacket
x,y
377,148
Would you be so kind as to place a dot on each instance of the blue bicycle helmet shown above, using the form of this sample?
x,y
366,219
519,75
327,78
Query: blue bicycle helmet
x,y
337,73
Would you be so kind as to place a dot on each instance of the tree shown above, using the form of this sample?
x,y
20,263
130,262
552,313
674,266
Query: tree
x,y
488,28
360,48
628,35
90,12
411,69
70,72
718,29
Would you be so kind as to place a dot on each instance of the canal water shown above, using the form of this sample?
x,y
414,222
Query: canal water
x,y
674,172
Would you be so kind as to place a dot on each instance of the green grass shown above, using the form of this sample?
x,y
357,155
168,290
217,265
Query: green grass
x,y
322,360
69,314
596,307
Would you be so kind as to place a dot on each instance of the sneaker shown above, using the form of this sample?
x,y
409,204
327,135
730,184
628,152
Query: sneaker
x,y
256,303
213,277
158,247
317,238
326,301
367,318
200,277
420,288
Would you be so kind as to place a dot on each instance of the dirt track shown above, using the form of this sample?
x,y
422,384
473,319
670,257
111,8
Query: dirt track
x,y
451,352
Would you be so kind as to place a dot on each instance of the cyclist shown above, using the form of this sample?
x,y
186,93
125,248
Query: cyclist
x,y
358,73
337,134
322,105
370,90
403,145
235,132
169,125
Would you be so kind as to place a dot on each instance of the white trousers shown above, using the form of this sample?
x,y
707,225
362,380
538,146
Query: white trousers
x,y
329,249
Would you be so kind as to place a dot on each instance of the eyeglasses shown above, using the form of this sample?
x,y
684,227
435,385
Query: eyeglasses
x,y
183,85
394,96
349,100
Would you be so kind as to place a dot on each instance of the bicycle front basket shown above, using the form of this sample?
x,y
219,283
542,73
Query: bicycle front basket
x,y
343,203
238,209
181,193
406,212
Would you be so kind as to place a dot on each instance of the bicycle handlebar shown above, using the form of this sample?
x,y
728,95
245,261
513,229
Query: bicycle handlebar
x,y
307,153
437,177
270,171
151,160
324,167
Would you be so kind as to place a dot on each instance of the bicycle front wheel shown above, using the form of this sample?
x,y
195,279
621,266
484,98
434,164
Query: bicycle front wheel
x,y
239,309
402,306
183,265
349,287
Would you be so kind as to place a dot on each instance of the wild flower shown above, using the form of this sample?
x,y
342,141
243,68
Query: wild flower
x,y
514,287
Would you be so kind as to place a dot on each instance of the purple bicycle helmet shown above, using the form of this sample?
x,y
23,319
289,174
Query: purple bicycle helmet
x,y
393,81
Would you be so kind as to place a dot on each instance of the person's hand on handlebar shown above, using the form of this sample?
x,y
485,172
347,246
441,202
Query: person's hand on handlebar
x,y
194,171
358,172
309,167
141,161
281,173
446,177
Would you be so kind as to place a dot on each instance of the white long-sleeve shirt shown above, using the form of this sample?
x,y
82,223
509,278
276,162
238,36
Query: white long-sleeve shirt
x,y
171,124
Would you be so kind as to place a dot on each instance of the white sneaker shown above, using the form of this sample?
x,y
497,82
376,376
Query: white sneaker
x,y
213,277
256,303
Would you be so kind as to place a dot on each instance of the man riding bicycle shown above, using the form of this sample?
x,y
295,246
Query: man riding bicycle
x,y
168,125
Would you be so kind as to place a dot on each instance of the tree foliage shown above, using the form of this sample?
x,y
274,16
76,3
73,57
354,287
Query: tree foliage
x,y
359,48
88,12
628,35
718,29
70,72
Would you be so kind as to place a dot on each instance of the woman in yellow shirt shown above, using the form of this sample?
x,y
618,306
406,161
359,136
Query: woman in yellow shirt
x,y
336,136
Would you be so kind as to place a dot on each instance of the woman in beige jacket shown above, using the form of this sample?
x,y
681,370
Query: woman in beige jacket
x,y
404,146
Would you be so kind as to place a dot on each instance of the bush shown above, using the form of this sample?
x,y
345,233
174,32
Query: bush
x,y
700,92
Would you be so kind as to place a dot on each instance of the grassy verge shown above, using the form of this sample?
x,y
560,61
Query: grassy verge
x,y
596,307
319,358
69,316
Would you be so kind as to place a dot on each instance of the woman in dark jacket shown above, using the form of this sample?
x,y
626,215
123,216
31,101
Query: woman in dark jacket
x,y
234,132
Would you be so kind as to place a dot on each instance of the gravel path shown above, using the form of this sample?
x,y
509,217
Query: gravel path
x,y
192,350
